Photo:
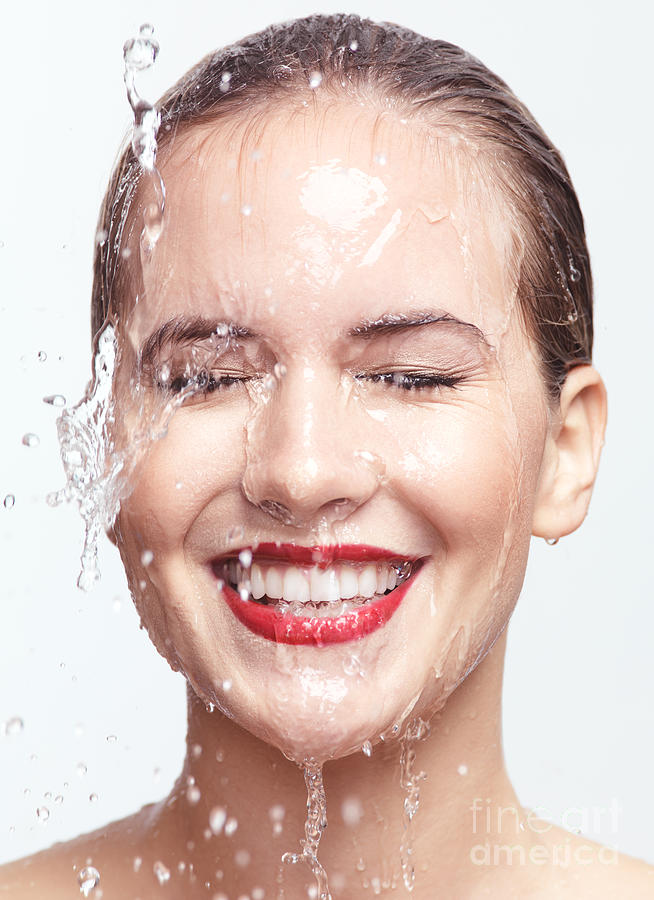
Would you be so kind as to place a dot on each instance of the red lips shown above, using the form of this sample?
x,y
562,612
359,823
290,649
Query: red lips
x,y
285,628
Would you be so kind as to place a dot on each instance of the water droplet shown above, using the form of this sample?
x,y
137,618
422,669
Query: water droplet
x,y
193,794
217,819
196,751
245,558
246,209
93,798
351,811
575,274
14,725
235,534
55,400
43,814
146,557
42,356
351,665
257,893
225,80
162,873
141,52
462,769
361,866
242,858
551,541
279,371
354,46
227,684
230,826
380,159
31,440
315,80
88,880
367,748
573,316
59,799
9,501
111,738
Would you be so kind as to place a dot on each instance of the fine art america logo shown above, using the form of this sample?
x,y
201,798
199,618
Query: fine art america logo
x,y
538,841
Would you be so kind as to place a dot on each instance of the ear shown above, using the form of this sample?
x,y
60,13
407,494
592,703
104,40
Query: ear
x,y
571,455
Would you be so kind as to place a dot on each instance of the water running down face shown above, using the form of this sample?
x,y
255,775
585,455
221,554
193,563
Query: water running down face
x,y
333,298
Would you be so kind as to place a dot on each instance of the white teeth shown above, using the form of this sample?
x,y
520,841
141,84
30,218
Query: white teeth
x,y
368,581
274,584
296,586
349,583
257,584
324,586
316,591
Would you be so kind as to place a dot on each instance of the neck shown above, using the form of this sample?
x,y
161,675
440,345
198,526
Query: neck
x,y
464,787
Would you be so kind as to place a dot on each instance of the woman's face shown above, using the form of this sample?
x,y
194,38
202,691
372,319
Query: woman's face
x,y
332,295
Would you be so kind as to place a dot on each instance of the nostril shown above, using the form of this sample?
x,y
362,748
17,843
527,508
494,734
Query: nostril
x,y
277,511
341,501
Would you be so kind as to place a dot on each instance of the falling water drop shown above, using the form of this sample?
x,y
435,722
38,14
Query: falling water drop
x,y
42,356
57,400
43,814
31,440
217,819
161,871
9,501
88,880
14,725
93,798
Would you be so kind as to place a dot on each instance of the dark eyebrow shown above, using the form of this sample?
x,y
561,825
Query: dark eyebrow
x,y
181,331
392,323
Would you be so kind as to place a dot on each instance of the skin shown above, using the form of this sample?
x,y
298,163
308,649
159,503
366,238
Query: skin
x,y
459,477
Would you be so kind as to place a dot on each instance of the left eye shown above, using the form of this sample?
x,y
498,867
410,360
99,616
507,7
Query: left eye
x,y
411,381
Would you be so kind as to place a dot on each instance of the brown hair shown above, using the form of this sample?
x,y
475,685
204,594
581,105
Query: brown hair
x,y
421,76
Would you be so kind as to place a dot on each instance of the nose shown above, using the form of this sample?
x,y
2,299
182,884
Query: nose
x,y
305,458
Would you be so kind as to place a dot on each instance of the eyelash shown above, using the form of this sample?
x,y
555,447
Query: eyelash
x,y
206,383
412,381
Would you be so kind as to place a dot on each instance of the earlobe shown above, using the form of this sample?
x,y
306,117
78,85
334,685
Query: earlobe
x,y
571,455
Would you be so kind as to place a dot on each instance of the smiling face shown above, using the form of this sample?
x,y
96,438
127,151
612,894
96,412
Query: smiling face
x,y
333,298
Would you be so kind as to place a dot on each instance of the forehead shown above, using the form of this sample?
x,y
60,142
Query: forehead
x,y
341,206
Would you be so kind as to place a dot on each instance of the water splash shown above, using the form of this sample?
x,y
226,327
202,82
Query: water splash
x,y
92,469
139,54
410,783
315,824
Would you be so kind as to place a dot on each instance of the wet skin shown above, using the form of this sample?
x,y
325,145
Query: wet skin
x,y
306,243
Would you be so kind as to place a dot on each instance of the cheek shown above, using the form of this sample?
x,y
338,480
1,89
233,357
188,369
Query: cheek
x,y
200,457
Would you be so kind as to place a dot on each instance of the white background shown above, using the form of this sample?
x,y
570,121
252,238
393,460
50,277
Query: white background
x,y
579,725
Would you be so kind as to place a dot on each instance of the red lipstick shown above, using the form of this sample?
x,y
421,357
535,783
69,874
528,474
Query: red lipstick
x,y
269,622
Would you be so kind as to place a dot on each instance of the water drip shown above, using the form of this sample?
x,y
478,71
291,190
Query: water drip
x,y
410,783
315,824
140,54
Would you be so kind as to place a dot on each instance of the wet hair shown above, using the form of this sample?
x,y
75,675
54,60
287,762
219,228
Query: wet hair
x,y
431,80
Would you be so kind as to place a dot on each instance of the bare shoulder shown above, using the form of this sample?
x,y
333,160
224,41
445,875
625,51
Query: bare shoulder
x,y
581,868
58,872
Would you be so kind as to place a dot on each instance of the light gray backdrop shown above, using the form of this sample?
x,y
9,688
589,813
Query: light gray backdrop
x,y
579,726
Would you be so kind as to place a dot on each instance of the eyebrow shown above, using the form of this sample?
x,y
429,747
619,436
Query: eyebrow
x,y
180,331
392,323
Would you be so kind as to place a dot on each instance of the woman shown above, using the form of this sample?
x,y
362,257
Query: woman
x,y
354,377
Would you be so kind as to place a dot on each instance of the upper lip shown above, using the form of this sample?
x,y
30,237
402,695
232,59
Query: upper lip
x,y
321,555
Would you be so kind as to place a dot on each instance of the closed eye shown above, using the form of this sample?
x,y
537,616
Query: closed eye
x,y
412,381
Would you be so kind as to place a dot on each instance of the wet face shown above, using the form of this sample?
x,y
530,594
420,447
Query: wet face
x,y
334,529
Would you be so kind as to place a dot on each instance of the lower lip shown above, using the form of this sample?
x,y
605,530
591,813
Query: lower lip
x,y
273,625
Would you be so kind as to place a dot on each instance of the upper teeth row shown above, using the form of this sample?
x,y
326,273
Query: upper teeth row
x,y
315,585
